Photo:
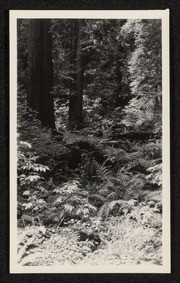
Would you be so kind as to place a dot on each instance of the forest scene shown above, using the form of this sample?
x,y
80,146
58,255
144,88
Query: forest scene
x,y
89,186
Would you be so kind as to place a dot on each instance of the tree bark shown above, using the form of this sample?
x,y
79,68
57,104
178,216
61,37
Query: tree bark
x,y
40,71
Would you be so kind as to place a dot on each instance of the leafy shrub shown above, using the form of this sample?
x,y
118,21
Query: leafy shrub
x,y
30,180
73,201
155,176
32,131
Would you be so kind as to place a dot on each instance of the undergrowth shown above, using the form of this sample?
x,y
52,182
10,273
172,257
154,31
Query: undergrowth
x,y
98,198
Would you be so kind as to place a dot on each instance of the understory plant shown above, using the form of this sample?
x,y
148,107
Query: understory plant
x,y
30,181
72,200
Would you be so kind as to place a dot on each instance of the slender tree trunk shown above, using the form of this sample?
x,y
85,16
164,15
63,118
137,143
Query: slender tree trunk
x,y
40,71
118,99
73,95
77,72
118,74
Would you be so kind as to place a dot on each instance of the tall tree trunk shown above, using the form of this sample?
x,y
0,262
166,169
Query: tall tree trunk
x,y
73,95
118,73
118,95
77,73
40,71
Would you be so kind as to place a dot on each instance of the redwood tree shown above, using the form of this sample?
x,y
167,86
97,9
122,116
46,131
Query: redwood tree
x,y
40,71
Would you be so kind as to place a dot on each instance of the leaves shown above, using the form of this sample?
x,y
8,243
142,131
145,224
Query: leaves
x,y
25,144
145,73
40,168
68,208
28,206
59,200
105,178
67,188
156,174
29,165
26,193
33,178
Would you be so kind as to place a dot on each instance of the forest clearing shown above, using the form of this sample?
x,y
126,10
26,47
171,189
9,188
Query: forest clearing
x,y
89,188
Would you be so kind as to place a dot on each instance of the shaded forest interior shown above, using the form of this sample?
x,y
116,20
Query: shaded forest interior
x,y
89,138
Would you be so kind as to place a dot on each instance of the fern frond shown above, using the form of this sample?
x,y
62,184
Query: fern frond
x,y
101,170
112,196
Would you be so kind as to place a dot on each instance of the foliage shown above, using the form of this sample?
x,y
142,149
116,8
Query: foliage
x,y
32,131
145,74
130,244
91,168
98,190
123,240
73,200
155,176
22,49
61,114
30,179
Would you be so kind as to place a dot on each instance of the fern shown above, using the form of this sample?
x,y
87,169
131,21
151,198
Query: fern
x,y
101,170
93,168
114,205
138,181
97,199
112,196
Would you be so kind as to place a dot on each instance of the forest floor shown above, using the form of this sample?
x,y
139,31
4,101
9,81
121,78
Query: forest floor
x,y
122,241
100,202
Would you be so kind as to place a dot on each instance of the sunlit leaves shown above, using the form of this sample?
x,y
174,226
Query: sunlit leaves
x,y
32,178
25,144
68,208
144,71
41,201
34,167
26,193
155,176
59,200
73,199
68,188
27,205
90,207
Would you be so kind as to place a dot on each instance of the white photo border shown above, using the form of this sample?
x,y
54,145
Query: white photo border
x,y
163,15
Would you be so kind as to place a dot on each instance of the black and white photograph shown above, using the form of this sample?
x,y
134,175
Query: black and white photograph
x,y
90,155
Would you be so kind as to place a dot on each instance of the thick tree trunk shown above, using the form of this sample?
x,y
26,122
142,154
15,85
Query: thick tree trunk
x,y
77,72
40,71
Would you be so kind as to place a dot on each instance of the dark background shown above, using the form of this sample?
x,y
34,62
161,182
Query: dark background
x,y
174,6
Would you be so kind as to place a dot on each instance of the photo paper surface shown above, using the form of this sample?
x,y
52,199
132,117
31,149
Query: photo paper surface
x,y
89,142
